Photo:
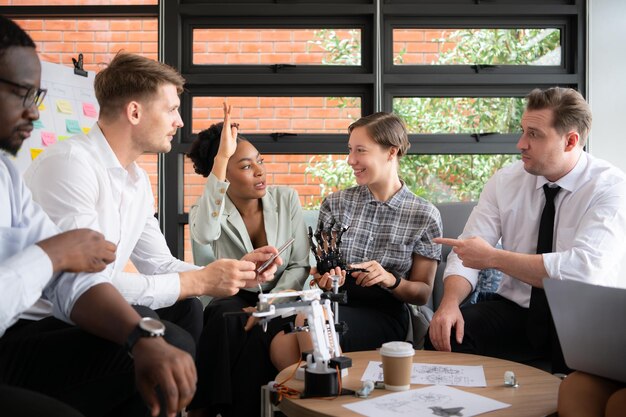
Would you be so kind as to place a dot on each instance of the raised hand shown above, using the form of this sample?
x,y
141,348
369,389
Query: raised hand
x,y
228,139
79,250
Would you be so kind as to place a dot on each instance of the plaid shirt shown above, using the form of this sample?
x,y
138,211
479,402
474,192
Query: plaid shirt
x,y
388,232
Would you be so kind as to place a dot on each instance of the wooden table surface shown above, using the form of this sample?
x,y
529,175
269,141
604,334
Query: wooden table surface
x,y
535,396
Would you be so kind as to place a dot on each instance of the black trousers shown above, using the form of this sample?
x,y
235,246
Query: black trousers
x,y
90,374
496,327
232,364
18,402
186,314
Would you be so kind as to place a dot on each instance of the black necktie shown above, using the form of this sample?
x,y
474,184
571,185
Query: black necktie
x,y
541,327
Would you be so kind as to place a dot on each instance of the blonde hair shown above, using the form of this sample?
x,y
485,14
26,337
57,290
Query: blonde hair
x,y
132,77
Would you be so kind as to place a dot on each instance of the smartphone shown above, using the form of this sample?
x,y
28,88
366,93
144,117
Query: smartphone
x,y
270,260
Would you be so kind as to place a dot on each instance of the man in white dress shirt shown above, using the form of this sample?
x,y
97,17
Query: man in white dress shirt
x,y
587,243
93,181
46,363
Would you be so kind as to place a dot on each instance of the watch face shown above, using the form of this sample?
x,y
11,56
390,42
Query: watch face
x,y
153,326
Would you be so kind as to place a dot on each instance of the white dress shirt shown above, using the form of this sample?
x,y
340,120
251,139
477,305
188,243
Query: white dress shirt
x,y
81,183
590,224
25,269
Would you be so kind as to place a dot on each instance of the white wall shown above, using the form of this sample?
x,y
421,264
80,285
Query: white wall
x,y
607,81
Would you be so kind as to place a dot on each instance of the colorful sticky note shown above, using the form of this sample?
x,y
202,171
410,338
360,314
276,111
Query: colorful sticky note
x,y
86,130
48,138
89,110
72,126
34,153
64,106
37,124
60,138
42,107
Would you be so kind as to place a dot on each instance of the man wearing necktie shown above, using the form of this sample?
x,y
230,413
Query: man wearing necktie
x,y
559,213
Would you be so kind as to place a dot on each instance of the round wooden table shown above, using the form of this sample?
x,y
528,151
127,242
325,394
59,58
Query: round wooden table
x,y
535,396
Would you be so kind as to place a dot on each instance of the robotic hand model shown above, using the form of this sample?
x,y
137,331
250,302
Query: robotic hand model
x,y
324,364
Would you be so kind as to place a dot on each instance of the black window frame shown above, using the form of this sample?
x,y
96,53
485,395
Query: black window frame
x,y
377,81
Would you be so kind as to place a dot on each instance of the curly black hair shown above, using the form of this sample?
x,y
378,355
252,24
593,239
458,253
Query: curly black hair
x,y
205,147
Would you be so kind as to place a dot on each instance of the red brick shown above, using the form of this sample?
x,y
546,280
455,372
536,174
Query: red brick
x,y
133,47
242,59
143,37
126,25
100,25
326,113
47,36
276,35
150,24
290,112
289,178
63,25
209,59
58,47
221,47
274,125
423,47
275,102
430,35
29,24
111,36
244,35
308,102
408,35
258,113
289,47
150,50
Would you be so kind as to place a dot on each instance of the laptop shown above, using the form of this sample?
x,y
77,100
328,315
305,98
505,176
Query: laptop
x,y
591,323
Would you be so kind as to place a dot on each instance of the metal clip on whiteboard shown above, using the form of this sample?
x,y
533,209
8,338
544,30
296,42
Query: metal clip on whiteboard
x,y
78,66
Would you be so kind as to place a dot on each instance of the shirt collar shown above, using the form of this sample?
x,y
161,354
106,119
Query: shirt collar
x,y
395,202
572,180
106,154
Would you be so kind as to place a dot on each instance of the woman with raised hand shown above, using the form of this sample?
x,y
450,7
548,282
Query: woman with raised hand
x,y
237,213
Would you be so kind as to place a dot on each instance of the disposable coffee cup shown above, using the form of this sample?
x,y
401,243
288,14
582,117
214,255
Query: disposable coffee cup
x,y
397,364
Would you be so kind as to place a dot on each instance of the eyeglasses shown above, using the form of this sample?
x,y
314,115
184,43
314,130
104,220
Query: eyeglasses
x,y
33,95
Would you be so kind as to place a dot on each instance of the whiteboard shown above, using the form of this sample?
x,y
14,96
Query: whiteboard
x,y
70,107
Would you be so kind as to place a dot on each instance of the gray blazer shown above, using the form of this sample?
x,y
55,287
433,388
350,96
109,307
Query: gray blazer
x,y
214,220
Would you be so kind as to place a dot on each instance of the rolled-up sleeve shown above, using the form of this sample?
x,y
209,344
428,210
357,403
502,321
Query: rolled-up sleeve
x,y
64,291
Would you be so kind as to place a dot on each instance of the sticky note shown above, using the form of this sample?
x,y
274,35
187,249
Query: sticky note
x,y
89,110
64,106
34,152
61,138
86,130
41,107
37,124
72,126
48,138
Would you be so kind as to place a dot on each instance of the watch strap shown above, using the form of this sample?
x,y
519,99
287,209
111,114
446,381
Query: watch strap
x,y
395,284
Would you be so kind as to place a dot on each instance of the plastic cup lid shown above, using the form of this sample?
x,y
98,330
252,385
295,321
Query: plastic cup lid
x,y
397,349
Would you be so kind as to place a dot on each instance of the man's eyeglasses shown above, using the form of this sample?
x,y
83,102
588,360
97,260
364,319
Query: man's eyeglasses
x,y
33,95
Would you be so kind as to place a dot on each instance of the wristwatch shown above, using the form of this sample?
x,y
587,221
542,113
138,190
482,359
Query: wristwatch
x,y
147,327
